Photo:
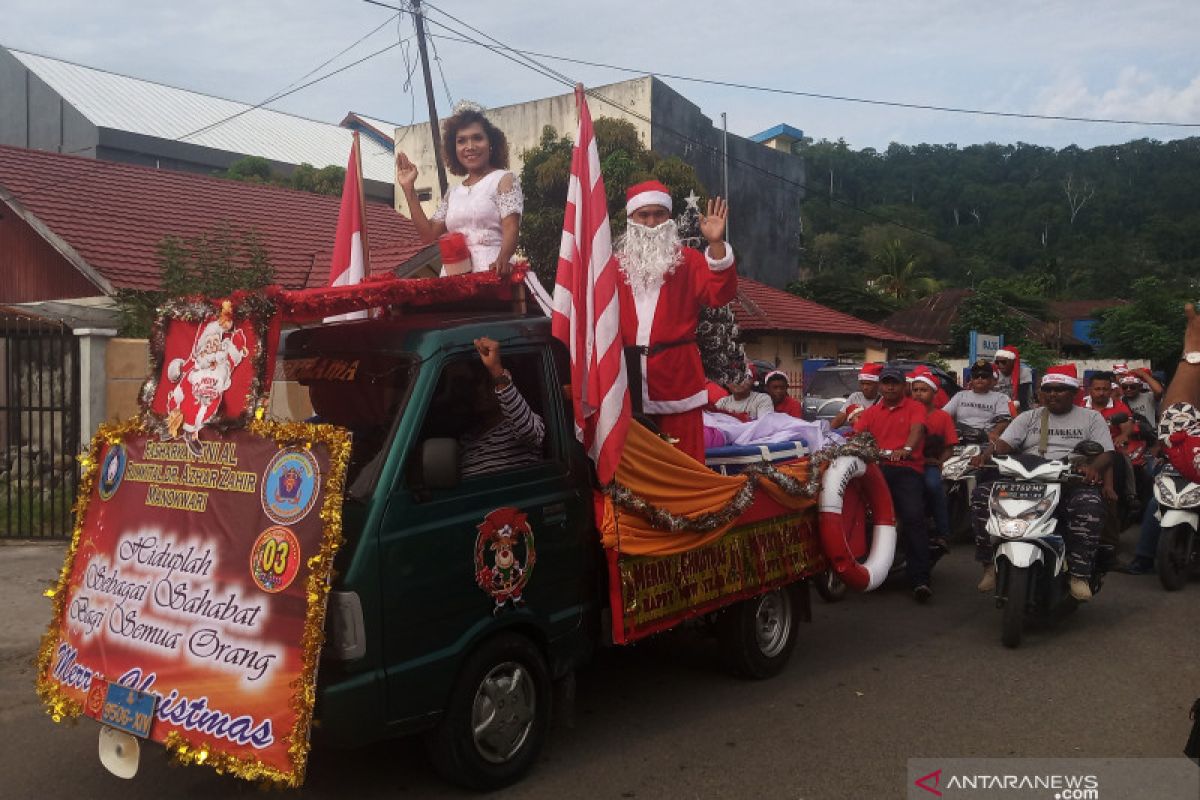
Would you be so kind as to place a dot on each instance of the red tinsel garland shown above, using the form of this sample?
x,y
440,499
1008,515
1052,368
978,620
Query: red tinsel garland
x,y
312,304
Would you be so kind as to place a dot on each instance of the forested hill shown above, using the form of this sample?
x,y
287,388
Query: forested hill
x,y
1041,222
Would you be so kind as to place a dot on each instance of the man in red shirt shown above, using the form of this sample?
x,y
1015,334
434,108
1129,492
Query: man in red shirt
x,y
898,425
777,388
1118,481
940,436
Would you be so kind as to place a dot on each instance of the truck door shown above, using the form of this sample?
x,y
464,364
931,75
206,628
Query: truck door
x,y
450,570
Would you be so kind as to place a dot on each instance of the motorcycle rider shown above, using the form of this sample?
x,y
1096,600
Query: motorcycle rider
x,y
866,396
940,438
1139,401
1007,361
980,407
898,425
1081,509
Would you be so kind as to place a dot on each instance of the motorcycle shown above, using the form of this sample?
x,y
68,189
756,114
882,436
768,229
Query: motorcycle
x,y
960,475
1030,555
1178,556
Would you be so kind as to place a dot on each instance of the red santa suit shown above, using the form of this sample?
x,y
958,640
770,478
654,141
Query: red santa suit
x,y
662,320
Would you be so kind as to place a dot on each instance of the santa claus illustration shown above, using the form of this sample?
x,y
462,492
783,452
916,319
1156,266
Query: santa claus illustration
x,y
664,287
202,378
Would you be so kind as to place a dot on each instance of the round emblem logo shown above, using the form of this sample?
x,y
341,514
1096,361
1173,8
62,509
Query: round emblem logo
x,y
112,470
289,486
275,559
504,555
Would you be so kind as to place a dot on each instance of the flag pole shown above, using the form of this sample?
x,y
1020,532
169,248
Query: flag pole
x,y
363,207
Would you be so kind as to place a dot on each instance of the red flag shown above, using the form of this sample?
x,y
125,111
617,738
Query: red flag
x,y
350,260
586,315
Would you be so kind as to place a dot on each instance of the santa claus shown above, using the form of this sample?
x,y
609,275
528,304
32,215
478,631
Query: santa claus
x,y
664,288
201,379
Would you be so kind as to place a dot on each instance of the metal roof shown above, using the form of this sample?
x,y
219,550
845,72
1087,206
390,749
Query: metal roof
x,y
782,130
119,102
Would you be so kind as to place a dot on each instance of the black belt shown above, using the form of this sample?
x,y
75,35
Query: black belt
x,y
655,349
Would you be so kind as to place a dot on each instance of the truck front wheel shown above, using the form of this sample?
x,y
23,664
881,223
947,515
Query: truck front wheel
x,y
757,636
497,718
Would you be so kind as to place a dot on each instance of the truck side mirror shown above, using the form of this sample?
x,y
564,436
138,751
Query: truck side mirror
x,y
439,463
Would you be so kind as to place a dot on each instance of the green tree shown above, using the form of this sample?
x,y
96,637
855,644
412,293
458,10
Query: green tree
x,y
1149,326
305,178
844,293
214,264
624,160
899,274
986,311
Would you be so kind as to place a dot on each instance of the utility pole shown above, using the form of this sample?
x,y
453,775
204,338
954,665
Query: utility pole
x,y
725,164
419,18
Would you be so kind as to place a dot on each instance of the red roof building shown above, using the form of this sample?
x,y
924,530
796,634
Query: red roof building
x,y
781,327
77,227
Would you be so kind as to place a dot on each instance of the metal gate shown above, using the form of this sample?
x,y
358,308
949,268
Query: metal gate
x,y
39,427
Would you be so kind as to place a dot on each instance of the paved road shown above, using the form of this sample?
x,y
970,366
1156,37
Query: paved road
x,y
876,679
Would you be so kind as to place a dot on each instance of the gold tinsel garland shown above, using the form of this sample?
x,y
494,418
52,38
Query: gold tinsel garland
x,y
60,707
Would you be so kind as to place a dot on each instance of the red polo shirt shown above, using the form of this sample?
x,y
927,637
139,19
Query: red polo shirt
x,y
938,423
790,406
890,426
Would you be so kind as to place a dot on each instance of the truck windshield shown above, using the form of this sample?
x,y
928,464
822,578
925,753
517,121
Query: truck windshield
x,y
832,383
363,392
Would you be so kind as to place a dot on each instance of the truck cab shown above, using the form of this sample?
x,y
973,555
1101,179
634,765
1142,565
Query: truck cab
x,y
424,630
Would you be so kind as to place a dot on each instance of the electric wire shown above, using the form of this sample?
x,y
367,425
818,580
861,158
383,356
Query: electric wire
x,y
8,195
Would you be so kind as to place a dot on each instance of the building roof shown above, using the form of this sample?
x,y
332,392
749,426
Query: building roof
x,y
108,218
762,308
119,102
1071,310
781,130
934,316
379,127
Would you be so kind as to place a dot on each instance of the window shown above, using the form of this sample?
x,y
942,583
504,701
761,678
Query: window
x,y
464,407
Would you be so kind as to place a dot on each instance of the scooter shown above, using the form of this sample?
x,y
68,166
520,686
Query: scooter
x,y
1030,555
1178,556
958,481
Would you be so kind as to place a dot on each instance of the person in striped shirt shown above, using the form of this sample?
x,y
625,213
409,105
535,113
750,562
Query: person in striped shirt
x,y
508,434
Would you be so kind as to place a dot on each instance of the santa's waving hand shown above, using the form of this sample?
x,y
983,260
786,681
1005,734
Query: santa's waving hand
x,y
664,288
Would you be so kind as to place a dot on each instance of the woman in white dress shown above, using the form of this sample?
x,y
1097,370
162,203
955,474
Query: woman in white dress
x,y
486,207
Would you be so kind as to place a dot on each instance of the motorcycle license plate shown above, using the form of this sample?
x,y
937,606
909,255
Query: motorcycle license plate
x,y
1018,491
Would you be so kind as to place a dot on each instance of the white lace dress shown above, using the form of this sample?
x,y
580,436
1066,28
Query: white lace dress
x,y
476,211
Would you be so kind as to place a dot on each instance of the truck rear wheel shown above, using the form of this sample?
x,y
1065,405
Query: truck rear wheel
x,y
497,718
757,636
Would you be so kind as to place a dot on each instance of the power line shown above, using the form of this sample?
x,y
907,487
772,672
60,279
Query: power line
x,y
438,58
559,77
277,96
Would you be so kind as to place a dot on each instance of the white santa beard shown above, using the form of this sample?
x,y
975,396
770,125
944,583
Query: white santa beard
x,y
647,255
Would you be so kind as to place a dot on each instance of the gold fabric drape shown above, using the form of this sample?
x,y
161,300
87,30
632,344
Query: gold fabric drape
x,y
668,479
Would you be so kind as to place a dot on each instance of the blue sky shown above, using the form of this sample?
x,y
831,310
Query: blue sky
x,y
1096,59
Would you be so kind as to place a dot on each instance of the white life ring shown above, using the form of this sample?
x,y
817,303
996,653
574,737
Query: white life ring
x,y
834,542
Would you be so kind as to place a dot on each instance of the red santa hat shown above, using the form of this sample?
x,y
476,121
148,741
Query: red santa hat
x,y
775,374
647,193
1012,353
1128,378
870,372
1008,352
924,375
1061,374
1120,369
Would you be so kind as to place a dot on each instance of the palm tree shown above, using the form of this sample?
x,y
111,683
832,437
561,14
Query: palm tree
x,y
900,275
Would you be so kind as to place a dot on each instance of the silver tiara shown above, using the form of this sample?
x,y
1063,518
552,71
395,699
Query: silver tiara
x,y
466,105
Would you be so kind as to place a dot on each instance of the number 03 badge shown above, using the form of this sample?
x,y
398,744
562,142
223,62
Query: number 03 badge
x,y
275,559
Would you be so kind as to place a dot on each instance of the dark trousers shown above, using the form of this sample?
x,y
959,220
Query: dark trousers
x,y
907,487
1080,514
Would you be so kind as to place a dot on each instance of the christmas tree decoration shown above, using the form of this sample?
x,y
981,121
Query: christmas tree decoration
x,y
723,357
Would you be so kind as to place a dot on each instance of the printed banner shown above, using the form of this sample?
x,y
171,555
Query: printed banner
x,y
656,592
198,574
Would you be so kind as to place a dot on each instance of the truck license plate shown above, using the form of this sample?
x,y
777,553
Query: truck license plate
x,y
1018,491
128,710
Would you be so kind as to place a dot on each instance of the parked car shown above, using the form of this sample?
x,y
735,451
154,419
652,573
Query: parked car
x,y
825,394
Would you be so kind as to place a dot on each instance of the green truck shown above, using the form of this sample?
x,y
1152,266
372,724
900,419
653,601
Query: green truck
x,y
461,607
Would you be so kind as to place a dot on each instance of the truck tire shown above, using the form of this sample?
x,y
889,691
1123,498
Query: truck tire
x,y
757,636
1016,593
831,588
496,721
1173,559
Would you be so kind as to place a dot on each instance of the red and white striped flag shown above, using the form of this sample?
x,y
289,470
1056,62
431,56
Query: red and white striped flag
x,y
587,312
350,259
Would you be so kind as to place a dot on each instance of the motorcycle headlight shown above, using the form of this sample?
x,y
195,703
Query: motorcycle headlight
x,y
1014,527
1189,497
